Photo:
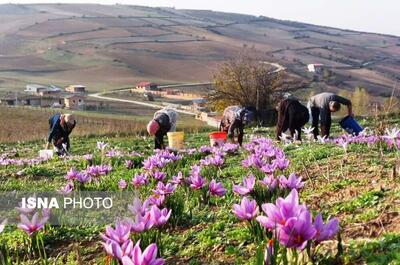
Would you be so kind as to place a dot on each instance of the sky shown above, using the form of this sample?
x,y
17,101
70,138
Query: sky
x,y
380,16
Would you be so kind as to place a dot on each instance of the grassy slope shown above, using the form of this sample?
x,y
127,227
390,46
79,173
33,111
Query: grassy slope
x,y
357,187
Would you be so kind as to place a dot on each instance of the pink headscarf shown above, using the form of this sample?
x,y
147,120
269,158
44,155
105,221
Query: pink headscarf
x,y
153,127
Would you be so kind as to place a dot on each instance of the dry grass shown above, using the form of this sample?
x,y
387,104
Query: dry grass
x,y
23,124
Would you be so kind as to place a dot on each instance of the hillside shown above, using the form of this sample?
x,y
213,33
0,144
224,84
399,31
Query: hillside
x,y
108,47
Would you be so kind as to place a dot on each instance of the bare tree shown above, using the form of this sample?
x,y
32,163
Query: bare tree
x,y
247,81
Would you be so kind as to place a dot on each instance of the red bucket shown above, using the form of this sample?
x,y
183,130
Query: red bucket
x,y
217,138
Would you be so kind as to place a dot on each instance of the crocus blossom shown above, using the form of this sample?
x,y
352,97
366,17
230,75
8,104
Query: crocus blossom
x,y
247,210
325,231
119,234
216,188
147,257
165,189
34,225
196,182
247,185
292,182
122,184
159,217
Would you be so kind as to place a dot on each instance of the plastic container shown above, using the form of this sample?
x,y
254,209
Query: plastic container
x,y
46,154
176,140
350,125
217,138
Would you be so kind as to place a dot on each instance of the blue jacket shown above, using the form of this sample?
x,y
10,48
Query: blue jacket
x,y
57,131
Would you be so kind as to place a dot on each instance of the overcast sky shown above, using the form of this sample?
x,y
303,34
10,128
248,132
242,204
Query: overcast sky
x,y
365,15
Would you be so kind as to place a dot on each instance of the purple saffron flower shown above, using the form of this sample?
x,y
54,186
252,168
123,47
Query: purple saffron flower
x,y
118,250
120,234
122,184
325,231
297,231
156,200
139,180
248,186
196,182
293,182
114,153
247,210
205,149
34,225
72,174
101,146
24,211
141,223
164,189
268,168
279,214
83,177
281,163
195,170
217,161
88,157
129,164
67,189
230,148
137,207
216,188
159,217
177,179
158,175
148,257
270,182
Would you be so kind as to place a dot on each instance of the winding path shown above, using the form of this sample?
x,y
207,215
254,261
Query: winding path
x,y
102,95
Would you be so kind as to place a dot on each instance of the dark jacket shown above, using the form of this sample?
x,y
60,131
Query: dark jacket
x,y
163,120
58,134
292,115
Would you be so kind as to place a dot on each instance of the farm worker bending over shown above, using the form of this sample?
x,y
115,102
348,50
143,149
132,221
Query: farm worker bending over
x,y
61,125
164,121
321,106
235,118
292,115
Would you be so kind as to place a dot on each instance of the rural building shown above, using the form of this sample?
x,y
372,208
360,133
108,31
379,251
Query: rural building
x,y
199,104
74,102
75,89
147,86
32,100
315,68
36,89
42,90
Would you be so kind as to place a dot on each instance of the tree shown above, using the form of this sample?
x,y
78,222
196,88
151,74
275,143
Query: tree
x,y
360,101
247,81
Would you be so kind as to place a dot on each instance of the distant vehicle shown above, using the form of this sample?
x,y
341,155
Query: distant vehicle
x,y
149,96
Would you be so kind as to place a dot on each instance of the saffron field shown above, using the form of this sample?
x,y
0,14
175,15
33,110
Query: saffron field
x,y
331,201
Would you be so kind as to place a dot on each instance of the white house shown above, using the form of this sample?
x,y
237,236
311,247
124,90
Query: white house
x,y
315,68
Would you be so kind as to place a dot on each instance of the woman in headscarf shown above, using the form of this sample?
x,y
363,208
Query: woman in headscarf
x,y
164,121
61,126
